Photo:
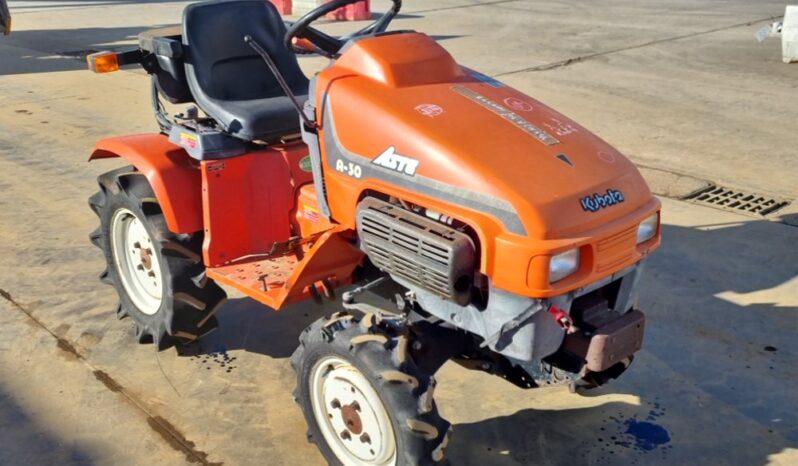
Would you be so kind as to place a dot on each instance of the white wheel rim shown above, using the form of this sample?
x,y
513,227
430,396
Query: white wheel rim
x,y
136,262
351,415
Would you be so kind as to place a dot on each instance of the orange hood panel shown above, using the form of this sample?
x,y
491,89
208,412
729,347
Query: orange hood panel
x,y
402,94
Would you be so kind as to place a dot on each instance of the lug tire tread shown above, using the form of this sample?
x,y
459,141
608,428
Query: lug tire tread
x,y
403,387
189,298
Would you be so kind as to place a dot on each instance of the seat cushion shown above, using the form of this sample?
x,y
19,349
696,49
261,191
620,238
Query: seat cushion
x,y
263,119
229,80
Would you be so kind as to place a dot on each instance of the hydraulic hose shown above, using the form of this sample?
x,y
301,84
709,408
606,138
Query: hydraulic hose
x,y
160,115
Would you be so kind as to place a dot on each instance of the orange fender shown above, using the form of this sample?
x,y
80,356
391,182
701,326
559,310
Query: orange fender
x,y
174,176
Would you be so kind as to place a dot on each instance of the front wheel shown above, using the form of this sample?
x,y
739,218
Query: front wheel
x,y
365,401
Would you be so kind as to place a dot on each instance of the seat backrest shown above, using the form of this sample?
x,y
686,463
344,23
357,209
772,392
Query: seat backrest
x,y
220,66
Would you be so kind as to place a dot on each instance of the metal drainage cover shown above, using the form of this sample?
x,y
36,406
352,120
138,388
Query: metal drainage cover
x,y
737,201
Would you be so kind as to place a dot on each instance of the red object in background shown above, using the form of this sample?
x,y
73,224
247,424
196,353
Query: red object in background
x,y
283,6
354,12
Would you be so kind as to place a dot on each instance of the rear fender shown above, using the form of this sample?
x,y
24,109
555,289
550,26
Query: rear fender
x,y
174,176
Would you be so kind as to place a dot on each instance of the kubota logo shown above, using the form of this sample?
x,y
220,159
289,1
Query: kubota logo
x,y
598,201
391,160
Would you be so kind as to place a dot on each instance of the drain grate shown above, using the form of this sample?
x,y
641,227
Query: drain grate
x,y
738,201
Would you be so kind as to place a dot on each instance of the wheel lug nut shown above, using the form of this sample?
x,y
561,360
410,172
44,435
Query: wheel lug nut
x,y
335,404
355,406
346,435
365,438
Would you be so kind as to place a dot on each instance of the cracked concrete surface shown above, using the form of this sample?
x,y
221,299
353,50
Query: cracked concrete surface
x,y
716,376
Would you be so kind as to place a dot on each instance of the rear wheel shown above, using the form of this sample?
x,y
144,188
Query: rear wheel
x,y
365,401
158,275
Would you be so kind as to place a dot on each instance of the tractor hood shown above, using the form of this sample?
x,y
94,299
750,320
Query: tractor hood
x,y
404,111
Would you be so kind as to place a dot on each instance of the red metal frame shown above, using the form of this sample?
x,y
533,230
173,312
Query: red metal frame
x,y
314,268
247,201
246,205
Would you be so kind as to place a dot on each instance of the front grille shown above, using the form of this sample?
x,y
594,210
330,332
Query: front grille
x,y
416,249
616,249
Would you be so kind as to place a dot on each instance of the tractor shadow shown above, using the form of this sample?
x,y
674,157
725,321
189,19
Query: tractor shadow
x,y
245,324
24,441
33,5
614,432
54,50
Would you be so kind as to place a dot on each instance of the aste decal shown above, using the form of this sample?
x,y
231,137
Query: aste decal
x,y
401,163
596,201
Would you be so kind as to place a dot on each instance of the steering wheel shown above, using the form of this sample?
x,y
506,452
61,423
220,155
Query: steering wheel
x,y
326,44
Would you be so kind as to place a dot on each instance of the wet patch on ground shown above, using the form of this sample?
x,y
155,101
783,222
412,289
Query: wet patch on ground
x,y
89,339
640,435
216,358
68,349
108,381
178,441
647,435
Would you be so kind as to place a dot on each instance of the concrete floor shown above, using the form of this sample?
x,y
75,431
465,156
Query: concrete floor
x,y
681,86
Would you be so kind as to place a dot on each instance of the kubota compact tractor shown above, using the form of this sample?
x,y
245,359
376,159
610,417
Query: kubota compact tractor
x,y
501,234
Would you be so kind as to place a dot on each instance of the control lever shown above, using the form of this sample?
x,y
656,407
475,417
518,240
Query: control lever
x,y
280,79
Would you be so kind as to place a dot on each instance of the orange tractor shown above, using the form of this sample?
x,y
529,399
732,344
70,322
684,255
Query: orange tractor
x,y
487,228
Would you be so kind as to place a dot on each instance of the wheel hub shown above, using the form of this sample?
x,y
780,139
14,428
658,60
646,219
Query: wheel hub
x,y
145,256
351,415
351,418
138,267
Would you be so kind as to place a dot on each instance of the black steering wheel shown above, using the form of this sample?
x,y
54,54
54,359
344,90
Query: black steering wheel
x,y
326,44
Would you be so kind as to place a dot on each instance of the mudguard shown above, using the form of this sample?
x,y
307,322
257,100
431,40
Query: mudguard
x,y
175,177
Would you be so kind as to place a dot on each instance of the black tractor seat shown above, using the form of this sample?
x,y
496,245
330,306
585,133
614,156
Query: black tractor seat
x,y
228,79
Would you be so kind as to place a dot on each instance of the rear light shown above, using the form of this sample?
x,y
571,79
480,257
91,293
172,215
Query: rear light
x,y
103,62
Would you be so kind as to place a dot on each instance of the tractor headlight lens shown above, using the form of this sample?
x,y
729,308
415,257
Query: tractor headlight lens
x,y
647,228
563,264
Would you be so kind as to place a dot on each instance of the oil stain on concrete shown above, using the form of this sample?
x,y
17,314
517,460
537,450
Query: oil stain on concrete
x,y
638,435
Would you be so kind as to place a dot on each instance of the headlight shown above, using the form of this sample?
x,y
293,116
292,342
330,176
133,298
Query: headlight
x,y
563,264
647,228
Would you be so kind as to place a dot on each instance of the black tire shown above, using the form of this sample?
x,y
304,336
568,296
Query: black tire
x,y
379,351
189,300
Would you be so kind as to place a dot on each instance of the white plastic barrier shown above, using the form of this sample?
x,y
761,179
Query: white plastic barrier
x,y
789,35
